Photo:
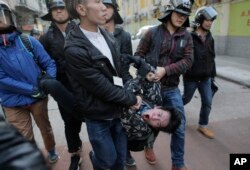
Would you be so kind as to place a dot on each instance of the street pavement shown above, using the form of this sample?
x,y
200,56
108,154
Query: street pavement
x,y
229,120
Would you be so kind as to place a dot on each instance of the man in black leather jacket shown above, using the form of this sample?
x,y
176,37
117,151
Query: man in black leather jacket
x,y
94,65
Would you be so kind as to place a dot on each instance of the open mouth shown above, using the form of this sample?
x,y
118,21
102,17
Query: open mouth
x,y
146,117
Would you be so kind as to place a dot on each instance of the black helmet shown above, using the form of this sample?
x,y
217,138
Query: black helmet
x,y
51,4
7,17
181,6
208,13
117,18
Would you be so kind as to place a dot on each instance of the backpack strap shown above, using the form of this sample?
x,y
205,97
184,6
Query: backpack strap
x,y
28,45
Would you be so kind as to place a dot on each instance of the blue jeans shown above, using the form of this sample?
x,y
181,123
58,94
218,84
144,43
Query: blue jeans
x,y
204,88
173,98
109,143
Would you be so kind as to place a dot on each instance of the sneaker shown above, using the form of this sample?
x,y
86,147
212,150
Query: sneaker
x,y
206,132
130,161
75,163
182,168
150,156
53,157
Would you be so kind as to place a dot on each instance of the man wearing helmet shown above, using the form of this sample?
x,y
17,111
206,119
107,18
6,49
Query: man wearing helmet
x,y
20,94
53,41
203,70
168,47
123,40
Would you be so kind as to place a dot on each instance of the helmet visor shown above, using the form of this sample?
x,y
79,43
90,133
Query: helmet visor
x,y
5,17
210,13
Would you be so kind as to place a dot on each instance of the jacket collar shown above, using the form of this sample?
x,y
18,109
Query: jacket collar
x,y
9,38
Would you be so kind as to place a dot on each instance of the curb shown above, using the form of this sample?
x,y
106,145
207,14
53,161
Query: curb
x,y
240,82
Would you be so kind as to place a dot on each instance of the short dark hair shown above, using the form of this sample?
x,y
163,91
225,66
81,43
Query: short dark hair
x,y
174,121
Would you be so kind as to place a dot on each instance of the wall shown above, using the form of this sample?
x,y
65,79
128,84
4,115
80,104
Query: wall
x,y
232,29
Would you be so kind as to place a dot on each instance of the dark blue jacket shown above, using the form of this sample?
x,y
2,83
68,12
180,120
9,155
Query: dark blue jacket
x,y
18,71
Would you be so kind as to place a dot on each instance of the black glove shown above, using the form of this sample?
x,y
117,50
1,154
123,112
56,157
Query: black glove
x,y
38,94
135,59
144,69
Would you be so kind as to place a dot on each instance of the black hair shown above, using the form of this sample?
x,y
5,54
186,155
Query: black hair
x,y
71,7
174,121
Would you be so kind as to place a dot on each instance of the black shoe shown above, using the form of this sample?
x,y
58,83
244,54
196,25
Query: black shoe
x,y
76,161
130,161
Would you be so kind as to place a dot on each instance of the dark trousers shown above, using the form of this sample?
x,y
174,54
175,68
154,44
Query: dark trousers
x,y
66,103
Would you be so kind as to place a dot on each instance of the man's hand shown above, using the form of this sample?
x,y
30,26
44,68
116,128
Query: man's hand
x,y
38,94
159,73
138,104
150,76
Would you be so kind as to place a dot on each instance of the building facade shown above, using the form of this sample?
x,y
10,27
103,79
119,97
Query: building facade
x,y
231,29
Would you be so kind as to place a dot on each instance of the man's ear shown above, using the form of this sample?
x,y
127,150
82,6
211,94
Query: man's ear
x,y
81,9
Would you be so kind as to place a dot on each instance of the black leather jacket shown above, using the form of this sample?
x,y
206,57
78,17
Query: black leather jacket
x,y
91,75
53,42
16,152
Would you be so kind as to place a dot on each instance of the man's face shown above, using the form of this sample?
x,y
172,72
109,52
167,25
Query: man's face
x,y
206,24
178,19
60,14
95,12
156,117
110,12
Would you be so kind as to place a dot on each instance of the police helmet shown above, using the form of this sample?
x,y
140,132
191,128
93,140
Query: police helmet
x,y
51,5
117,18
207,12
7,17
181,6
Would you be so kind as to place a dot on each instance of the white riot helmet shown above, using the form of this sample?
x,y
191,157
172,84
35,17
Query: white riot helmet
x,y
208,13
7,18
